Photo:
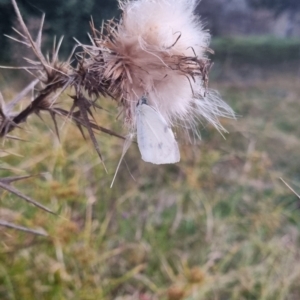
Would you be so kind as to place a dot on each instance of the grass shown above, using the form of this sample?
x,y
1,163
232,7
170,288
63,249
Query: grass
x,y
218,225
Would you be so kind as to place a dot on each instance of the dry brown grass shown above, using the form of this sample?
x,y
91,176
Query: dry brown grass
x,y
218,225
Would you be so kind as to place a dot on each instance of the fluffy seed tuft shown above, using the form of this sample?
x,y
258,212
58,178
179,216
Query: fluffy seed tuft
x,y
158,50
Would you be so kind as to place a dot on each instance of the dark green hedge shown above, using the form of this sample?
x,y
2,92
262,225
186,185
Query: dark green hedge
x,y
256,50
67,18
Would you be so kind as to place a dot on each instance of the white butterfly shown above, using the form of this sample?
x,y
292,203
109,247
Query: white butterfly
x,y
155,138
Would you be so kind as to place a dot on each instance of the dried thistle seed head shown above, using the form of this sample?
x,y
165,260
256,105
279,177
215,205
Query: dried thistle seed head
x,y
152,52
157,50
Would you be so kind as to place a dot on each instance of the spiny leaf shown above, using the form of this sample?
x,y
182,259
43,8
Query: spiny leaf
x,y
18,227
5,184
81,102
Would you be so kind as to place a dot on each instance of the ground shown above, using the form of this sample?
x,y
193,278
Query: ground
x,y
218,225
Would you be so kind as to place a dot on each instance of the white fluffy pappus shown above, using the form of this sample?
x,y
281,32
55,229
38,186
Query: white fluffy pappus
x,y
158,50
164,30
156,56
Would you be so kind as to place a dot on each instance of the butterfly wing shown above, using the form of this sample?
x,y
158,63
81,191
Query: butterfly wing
x,y
155,138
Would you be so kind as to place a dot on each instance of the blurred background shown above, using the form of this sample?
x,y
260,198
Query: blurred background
x,y
221,224
272,19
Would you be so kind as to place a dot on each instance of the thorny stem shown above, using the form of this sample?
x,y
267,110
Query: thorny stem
x,y
22,116
34,47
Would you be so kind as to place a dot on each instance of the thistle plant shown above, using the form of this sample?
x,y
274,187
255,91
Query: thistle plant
x,y
157,51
